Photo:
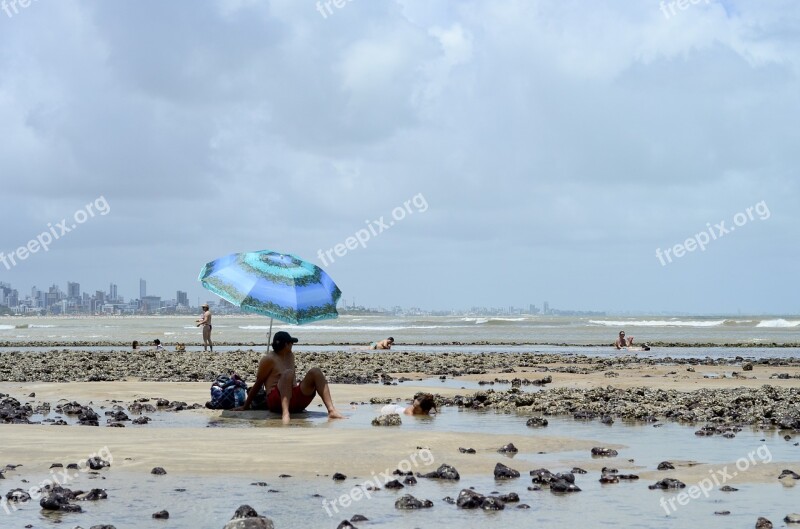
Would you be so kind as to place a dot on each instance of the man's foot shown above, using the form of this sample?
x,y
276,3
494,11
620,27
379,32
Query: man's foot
x,y
334,414
286,418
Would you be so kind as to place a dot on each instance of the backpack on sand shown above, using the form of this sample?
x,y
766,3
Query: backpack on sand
x,y
227,392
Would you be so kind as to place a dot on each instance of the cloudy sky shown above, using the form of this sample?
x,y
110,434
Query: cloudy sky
x,y
545,149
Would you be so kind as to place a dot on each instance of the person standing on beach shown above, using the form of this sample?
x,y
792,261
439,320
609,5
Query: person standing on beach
x,y
384,344
284,395
205,321
622,341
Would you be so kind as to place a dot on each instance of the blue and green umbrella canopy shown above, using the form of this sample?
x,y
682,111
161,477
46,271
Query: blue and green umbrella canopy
x,y
280,286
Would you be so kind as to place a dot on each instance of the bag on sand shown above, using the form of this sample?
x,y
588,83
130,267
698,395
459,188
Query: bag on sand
x,y
227,392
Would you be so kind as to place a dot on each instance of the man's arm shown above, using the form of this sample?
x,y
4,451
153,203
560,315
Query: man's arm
x,y
265,367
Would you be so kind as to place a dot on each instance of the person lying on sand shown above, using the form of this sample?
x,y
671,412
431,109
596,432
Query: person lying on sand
x,y
384,344
422,405
284,395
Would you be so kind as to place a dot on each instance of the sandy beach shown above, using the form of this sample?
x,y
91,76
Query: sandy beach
x,y
485,401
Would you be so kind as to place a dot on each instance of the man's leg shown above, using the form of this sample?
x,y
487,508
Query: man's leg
x,y
285,386
315,381
630,341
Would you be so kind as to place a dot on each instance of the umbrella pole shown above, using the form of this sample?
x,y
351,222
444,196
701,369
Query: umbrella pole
x,y
269,339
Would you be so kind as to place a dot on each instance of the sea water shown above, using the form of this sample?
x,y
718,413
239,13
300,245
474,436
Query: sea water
x,y
362,330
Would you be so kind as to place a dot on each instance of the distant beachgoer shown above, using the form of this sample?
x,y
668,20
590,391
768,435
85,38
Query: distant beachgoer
x,y
205,321
282,393
622,341
135,345
158,345
422,405
384,344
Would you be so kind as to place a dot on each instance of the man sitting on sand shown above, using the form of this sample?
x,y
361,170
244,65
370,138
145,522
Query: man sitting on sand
x,y
284,395
622,341
384,344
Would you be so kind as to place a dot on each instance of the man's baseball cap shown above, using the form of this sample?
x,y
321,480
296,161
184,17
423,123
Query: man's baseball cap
x,y
283,337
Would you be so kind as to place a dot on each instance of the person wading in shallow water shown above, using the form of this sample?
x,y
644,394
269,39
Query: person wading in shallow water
x,y
284,395
205,321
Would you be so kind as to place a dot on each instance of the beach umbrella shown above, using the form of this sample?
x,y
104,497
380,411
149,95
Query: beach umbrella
x,y
281,286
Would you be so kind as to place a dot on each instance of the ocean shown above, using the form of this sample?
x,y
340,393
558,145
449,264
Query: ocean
x,y
357,330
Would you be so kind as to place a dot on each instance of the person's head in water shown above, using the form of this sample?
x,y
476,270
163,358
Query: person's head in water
x,y
281,340
156,342
135,344
622,334
391,340
424,403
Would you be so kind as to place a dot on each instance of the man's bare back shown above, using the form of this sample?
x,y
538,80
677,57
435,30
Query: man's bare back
x,y
276,374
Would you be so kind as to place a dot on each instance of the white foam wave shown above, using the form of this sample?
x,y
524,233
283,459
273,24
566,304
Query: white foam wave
x,y
345,327
41,326
780,323
476,321
658,323
7,327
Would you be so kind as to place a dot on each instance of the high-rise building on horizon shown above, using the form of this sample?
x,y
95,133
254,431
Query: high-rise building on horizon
x,y
73,291
112,292
142,289
182,298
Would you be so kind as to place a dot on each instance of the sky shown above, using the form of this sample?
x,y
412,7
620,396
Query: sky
x,y
495,152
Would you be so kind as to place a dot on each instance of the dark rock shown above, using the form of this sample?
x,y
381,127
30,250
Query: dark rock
x,y
245,511
408,502
503,472
467,450
763,523
96,463
542,476
537,422
747,366
667,483
161,515
728,488
359,518
511,497
578,470
345,525
789,474
443,472
666,465
93,495
410,480
508,449
158,471
722,513
792,518
469,499
394,484
562,485
246,517
338,476
604,452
